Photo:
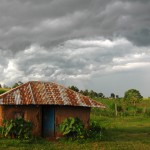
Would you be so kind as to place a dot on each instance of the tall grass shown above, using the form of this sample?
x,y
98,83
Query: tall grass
x,y
123,108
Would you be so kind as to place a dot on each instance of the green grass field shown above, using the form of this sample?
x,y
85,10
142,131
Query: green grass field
x,y
3,90
126,133
121,133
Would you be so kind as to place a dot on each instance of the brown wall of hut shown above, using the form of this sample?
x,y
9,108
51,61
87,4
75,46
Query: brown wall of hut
x,y
1,115
34,114
30,113
63,112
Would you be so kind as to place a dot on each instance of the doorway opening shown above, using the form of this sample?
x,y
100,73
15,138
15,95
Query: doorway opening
x,y
48,121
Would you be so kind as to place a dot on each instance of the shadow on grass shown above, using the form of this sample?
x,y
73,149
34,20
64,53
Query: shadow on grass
x,y
134,134
35,144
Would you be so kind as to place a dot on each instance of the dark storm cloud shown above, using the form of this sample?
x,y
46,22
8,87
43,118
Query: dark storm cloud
x,y
140,37
47,23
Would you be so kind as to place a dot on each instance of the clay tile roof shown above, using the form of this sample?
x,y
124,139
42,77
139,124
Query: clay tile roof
x,y
41,93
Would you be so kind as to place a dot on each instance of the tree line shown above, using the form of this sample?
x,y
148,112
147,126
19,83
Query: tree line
x,y
87,92
92,93
131,96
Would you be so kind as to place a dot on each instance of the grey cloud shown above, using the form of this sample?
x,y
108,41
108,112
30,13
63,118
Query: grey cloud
x,y
21,21
84,19
75,61
19,45
72,63
140,37
64,40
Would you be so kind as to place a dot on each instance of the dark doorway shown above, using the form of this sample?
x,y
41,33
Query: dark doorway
x,y
48,121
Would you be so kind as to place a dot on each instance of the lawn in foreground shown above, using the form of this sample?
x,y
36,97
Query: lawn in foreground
x,y
123,133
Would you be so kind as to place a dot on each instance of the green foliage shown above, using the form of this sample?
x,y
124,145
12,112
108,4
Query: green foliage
x,y
17,84
16,128
72,128
112,95
123,133
101,95
92,94
147,112
86,92
74,88
95,131
132,96
123,108
3,91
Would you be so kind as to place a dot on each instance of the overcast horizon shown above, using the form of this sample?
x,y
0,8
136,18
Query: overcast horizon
x,y
102,45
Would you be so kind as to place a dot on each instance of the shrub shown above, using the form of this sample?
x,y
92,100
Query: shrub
x,y
119,108
17,128
139,110
147,112
72,128
95,131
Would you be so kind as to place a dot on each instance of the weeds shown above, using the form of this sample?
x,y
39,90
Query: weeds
x,y
16,128
73,129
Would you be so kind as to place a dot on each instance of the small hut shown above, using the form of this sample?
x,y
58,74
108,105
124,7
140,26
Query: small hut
x,y
46,105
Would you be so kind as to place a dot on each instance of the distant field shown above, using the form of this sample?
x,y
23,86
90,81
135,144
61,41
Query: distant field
x,y
126,132
3,90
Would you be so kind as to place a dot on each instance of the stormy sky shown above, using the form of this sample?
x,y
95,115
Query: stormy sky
x,y
102,45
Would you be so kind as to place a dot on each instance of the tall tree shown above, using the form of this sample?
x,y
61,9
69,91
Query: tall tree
x,y
17,84
86,92
101,95
74,88
117,96
93,94
112,95
133,96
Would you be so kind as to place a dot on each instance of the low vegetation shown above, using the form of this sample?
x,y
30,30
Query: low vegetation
x,y
121,108
122,132
123,125
3,90
16,128
73,129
